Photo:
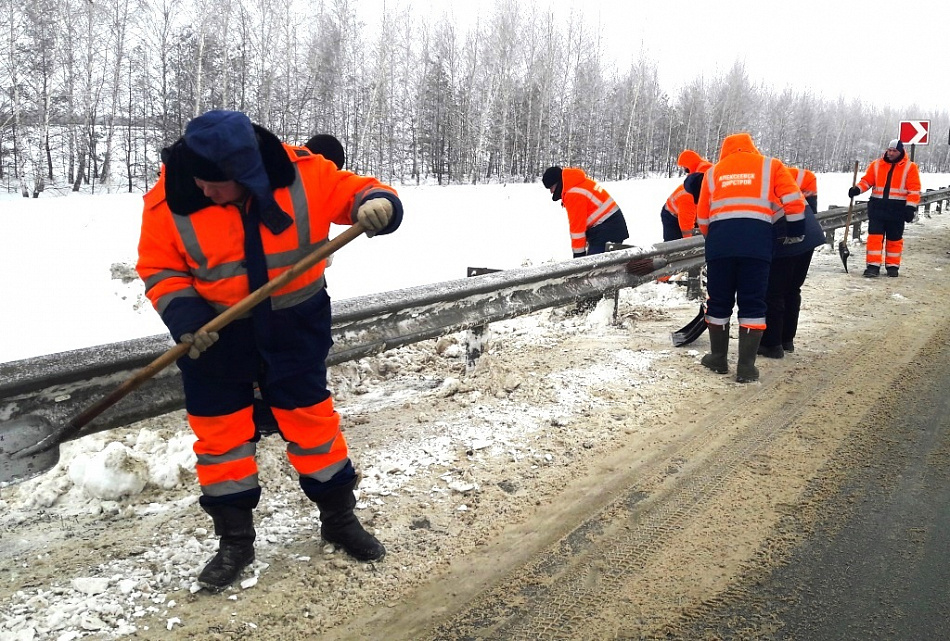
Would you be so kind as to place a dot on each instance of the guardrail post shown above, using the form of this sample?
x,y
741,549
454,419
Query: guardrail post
x,y
475,337
613,247
694,282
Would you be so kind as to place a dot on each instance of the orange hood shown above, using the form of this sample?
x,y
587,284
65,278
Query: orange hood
x,y
689,159
572,177
737,142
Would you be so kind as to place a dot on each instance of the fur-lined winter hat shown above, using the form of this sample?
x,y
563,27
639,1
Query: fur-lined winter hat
x,y
225,148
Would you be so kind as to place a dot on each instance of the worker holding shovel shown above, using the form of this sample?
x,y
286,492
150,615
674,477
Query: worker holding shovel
x,y
233,209
894,182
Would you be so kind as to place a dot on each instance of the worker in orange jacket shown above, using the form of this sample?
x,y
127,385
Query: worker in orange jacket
x,y
678,214
679,211
894,182
692,162
747,201
594,217
232,209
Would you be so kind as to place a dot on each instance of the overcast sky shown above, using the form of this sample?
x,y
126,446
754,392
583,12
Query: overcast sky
x,y
892,53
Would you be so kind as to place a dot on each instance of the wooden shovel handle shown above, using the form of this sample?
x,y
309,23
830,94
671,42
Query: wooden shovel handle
x,y
244,306
854,181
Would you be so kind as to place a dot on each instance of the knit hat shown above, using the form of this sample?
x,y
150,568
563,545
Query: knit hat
x,y
225,146
551,177
896,144
329,147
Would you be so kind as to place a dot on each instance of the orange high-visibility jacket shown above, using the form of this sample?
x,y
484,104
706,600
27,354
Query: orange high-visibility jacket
x,y
808,184
681,204
743,196
587,205
905,182
806,181
692,161
202,254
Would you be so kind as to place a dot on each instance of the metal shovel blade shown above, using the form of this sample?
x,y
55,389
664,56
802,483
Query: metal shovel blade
x,y
692,330
18,435
845,252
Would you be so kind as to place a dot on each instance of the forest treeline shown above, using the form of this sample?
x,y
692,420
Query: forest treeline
x,y
93,89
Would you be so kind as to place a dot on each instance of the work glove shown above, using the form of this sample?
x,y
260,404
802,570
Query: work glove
x,y
854,191
375,214
909,212
792,240
200,341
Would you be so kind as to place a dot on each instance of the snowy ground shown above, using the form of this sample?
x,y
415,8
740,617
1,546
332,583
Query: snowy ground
x,y
108,544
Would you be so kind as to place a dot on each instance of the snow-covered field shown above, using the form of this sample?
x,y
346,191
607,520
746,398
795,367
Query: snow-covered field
x,y
70,260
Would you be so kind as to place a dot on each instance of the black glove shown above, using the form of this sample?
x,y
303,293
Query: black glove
x,y
792,240
909,212
854,191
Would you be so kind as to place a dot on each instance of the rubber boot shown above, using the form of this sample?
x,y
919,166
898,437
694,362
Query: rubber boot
x,y
718,348
746,371
339,526
772,351
235,526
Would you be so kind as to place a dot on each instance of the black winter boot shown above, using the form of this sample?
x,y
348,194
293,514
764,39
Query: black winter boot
x,y
788,346
872,271
746,371
718,348
235,526
892,271
339,526
771,351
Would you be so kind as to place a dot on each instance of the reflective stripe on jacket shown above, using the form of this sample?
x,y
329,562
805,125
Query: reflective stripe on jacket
x,y
587,205
904,184
683,207
202,254
806,181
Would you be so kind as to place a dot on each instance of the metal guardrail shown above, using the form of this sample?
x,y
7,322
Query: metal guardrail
x,y
59,386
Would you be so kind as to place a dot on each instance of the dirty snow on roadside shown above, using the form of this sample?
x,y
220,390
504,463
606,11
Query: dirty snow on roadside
x,y
147,470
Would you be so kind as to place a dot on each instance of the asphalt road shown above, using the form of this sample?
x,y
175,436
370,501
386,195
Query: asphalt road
x,y
876,563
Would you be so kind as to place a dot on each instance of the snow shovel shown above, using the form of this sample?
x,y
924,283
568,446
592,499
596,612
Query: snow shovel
x,y
843,245
692,330
29,444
